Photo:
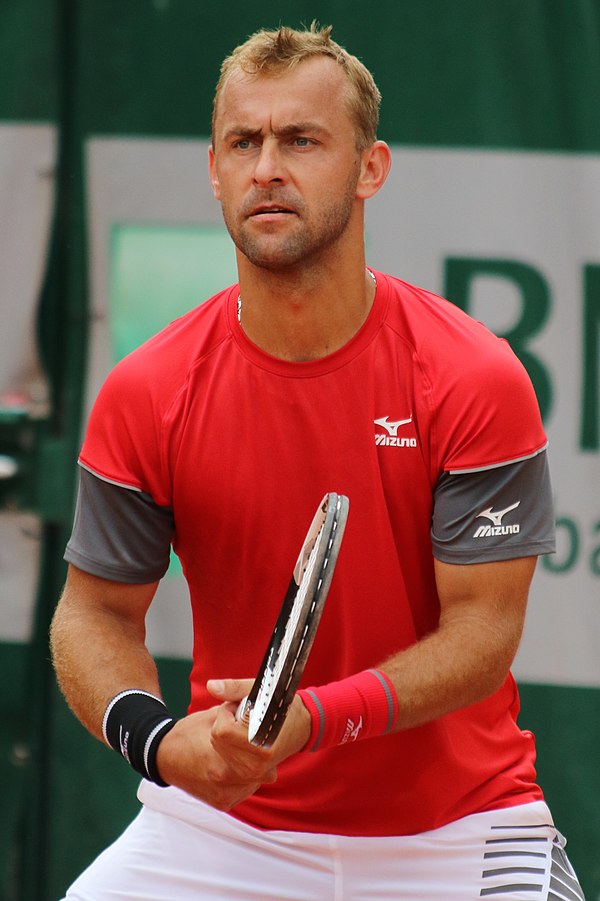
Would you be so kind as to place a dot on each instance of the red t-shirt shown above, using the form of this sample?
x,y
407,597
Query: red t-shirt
x,y
242,446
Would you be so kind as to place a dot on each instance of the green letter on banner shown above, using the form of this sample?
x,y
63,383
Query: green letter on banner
x,y
461,272
589,437
562,563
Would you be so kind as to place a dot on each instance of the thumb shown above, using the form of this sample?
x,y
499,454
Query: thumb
x,y
229,689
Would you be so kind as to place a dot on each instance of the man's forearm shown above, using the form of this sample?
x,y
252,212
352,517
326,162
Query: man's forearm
x,y
468,657
452,668
464,660
97,653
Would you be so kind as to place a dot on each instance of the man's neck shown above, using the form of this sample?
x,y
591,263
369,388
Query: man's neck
x,y
304,318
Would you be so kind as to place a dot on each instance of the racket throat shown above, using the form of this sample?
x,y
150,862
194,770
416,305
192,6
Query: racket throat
x,y
244,710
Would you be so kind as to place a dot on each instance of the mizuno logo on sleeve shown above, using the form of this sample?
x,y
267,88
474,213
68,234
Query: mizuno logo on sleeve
x,y
496,517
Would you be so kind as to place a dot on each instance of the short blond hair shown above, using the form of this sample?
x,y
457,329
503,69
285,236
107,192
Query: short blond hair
x,y
273,53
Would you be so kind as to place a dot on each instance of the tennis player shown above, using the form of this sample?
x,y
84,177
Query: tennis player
x,y
401,772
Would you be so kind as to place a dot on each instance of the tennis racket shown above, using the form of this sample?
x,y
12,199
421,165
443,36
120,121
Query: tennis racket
x,y
265,708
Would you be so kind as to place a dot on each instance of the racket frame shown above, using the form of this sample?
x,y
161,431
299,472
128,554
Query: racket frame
x,y
265,708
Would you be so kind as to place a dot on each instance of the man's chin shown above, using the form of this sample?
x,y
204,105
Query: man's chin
x,y
275,259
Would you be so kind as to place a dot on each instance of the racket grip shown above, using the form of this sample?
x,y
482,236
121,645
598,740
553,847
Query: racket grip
x,y
242,714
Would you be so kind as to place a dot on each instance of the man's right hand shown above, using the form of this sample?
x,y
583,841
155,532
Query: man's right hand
x,y
187,759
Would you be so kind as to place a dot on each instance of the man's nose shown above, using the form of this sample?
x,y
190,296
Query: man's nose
x,y
269,166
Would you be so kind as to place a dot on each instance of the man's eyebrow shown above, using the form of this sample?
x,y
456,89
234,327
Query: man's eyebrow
x,y
294,128
241,131
297,128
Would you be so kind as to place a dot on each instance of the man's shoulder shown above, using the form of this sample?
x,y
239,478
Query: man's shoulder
x,y
424,310
167,357
441,333
192,333
150,378
477,390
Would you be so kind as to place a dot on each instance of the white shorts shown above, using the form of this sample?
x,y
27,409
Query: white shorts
x,y
179,849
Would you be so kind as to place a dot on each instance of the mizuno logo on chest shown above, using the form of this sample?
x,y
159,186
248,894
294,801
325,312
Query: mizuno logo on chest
x,y
392,427
391,437
394,441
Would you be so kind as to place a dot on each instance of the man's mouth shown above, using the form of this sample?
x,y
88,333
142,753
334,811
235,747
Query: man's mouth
x,y
271,211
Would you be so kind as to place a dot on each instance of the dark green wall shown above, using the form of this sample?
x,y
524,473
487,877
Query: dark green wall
x,y
475,73
519,73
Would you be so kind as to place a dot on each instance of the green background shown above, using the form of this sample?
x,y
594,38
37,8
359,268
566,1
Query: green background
x,y
521,74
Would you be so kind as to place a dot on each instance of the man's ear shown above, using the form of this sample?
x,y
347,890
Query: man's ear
x,y
212,172
376,162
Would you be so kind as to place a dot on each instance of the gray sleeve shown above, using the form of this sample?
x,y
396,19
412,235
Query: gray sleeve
x,y
119,533
494,514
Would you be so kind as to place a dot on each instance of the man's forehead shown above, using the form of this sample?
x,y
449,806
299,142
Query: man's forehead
x,y
312,92
304,82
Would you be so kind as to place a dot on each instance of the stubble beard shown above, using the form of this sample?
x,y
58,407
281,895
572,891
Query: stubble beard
x,y
308,240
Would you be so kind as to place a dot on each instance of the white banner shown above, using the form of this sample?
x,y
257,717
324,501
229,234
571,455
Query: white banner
x,y
27,161
538,216
517,234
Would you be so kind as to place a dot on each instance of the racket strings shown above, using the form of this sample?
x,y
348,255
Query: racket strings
x,y
299,601
274,668
273,673
291,642
324,566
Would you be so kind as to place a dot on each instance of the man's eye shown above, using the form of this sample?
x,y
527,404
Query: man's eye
x,y
302,142
244,144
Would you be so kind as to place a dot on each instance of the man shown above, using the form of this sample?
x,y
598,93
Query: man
x,y
400,771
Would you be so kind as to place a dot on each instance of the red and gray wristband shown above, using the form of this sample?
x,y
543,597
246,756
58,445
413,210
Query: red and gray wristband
x,y
134,724
362,706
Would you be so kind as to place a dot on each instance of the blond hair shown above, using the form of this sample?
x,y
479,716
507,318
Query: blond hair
x,y
273,53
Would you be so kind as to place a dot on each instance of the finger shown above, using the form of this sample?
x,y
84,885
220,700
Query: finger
x,y
271,776
228,730
226,797
229,689
245,764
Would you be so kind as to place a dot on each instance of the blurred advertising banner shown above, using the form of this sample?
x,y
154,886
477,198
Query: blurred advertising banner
x,y
27,160
511,237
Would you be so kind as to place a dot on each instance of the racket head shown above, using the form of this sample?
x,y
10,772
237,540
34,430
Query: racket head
x,y
294,633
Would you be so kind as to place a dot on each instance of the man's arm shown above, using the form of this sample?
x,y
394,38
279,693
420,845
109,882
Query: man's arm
x,y
98,647
98,644
466,659
482,613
